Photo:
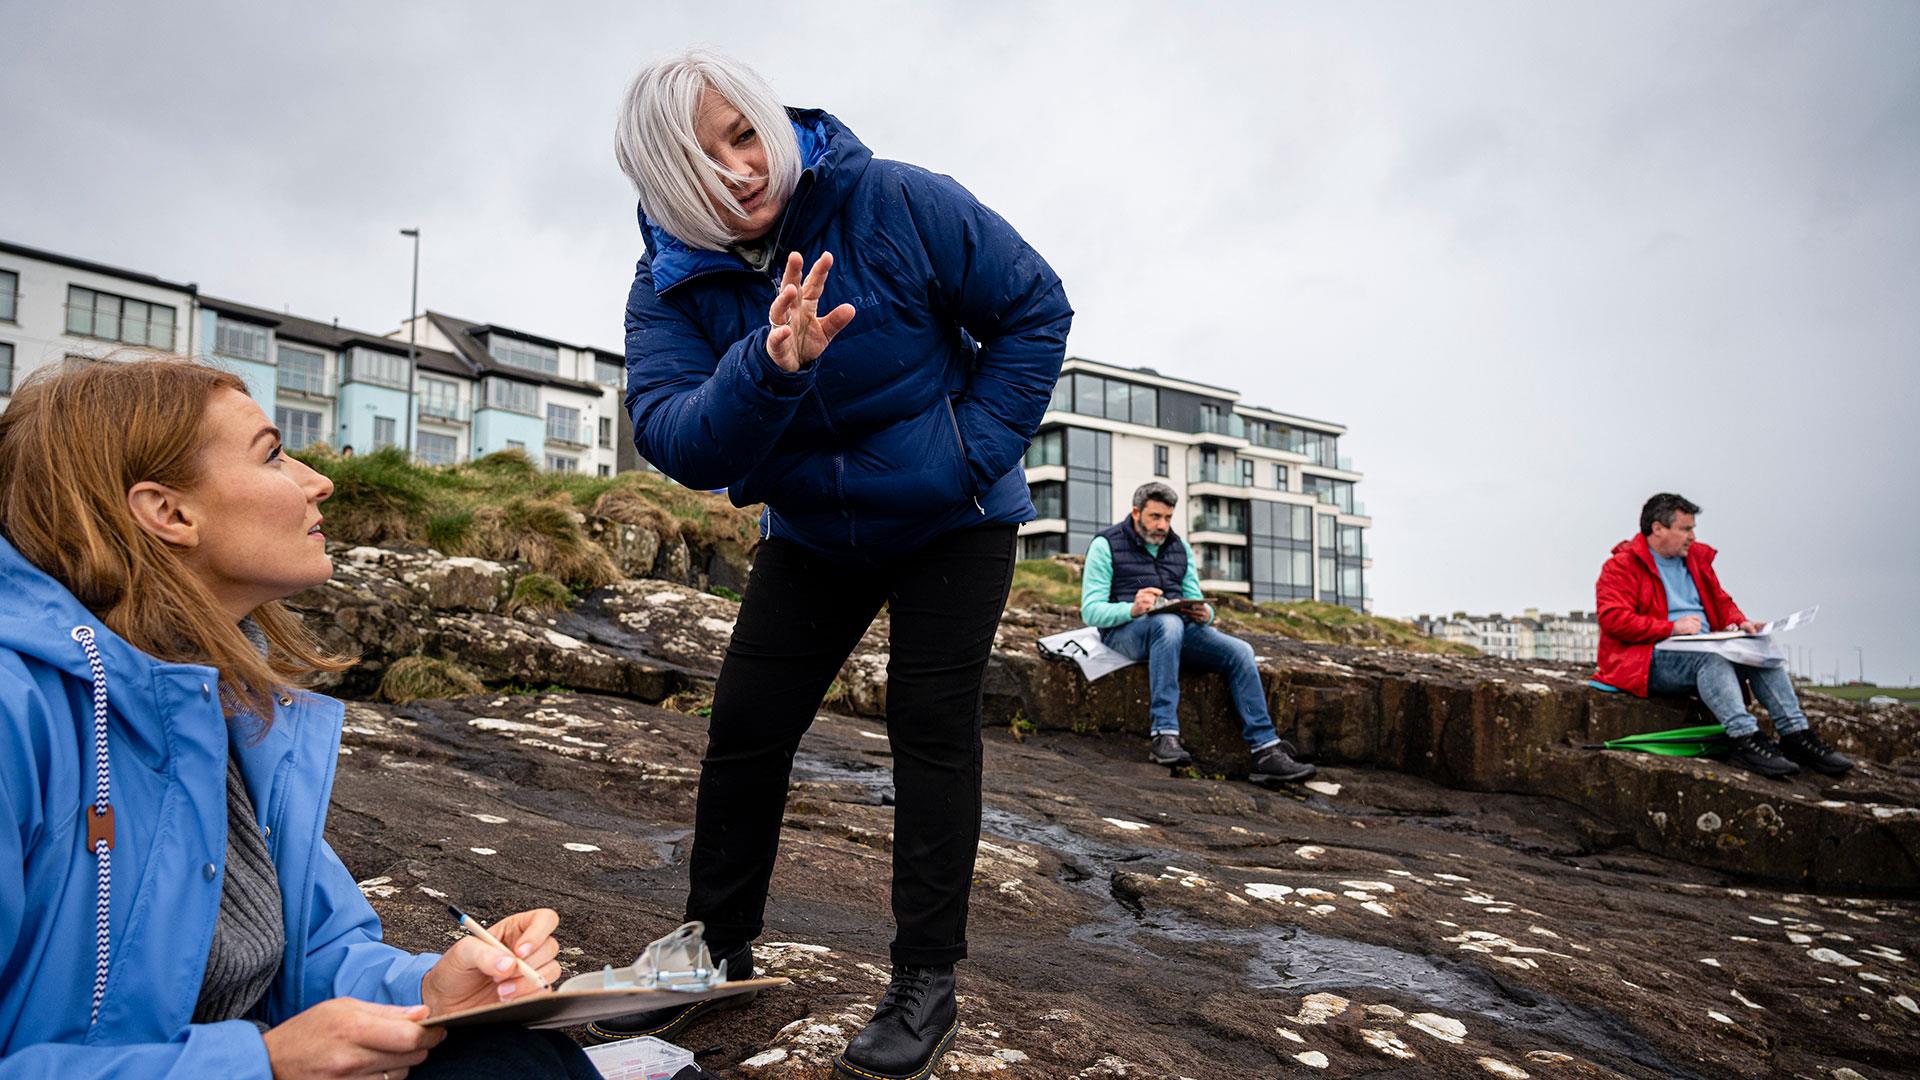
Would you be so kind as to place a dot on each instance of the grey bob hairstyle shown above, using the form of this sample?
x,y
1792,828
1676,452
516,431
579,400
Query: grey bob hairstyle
x,y
658,150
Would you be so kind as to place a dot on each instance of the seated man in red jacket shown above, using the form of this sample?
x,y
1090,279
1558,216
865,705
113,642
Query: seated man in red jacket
x,y
1660,584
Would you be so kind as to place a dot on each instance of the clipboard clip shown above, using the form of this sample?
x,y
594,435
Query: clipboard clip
x,y
679,961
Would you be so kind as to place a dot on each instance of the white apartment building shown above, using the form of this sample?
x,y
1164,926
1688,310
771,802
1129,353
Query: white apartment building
x,y
54,306
1573,637
470,389
1267,503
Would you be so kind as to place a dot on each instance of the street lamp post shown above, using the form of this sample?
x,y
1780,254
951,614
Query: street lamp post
x,y
413,319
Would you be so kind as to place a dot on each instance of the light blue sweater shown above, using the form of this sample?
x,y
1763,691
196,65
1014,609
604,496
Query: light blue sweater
x,y
1096,585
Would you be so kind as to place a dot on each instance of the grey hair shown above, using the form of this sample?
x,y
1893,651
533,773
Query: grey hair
x,y
654,142
1155,491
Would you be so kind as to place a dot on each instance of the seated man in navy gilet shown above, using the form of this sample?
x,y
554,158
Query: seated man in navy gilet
x,y
1140,563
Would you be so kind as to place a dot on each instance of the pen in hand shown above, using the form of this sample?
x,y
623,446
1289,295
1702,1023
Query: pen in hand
x,y
472,926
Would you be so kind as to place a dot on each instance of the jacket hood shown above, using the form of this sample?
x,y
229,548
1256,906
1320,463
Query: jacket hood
x,y
832,160
37,619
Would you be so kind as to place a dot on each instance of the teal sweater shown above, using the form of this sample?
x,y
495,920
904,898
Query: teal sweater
x,y
1096,584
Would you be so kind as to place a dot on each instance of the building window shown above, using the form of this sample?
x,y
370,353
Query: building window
x,y
91,313
606,433
1049,498
1246,472
1161,464
524,354
299,428
1047,448
604,470
562,463
9,296
1089,485
1062,395
383,432
240,340
302,370
1336,493
6,368
607,373
516,444
1223,562
1042,546
512,396
1114,399
433,448
440,399
377,368
1279,478
563,426
1321,448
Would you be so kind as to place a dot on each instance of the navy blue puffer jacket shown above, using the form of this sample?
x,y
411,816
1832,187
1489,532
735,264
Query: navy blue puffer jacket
x,y
914,420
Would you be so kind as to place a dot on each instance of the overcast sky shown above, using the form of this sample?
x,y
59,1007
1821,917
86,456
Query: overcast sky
x,y
1541,259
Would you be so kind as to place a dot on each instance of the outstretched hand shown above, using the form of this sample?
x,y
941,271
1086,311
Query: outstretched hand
x,y
800,333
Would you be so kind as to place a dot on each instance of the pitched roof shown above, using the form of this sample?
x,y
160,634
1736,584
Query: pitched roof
x,y
469,340
336,337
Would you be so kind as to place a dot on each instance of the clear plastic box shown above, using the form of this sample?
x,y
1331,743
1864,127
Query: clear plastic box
x,y
639,1059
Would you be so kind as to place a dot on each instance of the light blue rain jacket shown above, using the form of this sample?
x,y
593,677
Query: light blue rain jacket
x,y
168,763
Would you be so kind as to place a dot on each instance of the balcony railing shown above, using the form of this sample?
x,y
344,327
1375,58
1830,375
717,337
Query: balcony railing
x,y
1230,522
1229,424
452,412
1219,472
566,434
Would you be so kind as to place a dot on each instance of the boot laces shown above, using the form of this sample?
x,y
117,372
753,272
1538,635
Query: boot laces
x,y
1810,742
905,991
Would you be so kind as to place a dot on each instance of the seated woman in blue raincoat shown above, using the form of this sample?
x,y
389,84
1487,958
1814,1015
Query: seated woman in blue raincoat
x,y
169,905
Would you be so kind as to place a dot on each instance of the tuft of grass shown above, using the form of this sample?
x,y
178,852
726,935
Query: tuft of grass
x,y
544,533
448,531
538,592
725,593
417,678
377,498
1043,581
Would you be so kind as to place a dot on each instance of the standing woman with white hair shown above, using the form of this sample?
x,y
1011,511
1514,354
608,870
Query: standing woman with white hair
x,y
863,347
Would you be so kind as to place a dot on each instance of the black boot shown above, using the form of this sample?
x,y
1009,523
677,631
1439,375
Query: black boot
x,y
1804,748
1755,753
666,1023
909,1032
1166,750
1275,765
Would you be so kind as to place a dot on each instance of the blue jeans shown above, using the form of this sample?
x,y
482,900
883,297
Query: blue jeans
x,y
1717,680
1167,641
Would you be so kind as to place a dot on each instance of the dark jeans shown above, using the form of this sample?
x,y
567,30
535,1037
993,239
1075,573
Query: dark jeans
x,y
505,1052
802,615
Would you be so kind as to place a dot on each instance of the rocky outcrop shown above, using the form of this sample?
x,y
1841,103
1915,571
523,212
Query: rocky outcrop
x,y
1130,923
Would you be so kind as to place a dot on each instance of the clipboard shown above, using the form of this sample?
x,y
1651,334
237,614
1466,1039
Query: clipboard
x,y
672,970
1176,606
568,1008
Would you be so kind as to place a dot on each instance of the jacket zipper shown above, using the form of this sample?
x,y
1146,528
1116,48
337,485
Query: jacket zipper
x,y
960,441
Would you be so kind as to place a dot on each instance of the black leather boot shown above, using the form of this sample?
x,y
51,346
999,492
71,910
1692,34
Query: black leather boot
x,y
909,1032
1805,749
1755,753
666,1023
1166,750
1275,765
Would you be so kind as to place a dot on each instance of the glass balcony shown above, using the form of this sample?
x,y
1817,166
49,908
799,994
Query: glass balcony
x,y
450,410
1215,472
1227,521
566,434
1223,423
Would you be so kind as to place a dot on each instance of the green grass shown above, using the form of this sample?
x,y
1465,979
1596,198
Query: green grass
x,y
1044,581
538,592
502,507
416,678
1909,695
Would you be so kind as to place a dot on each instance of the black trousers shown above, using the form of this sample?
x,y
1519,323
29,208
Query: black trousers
x,y
801,617
505,1052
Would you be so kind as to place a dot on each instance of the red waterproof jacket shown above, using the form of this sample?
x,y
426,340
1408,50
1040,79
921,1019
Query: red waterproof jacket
x,y
1631,604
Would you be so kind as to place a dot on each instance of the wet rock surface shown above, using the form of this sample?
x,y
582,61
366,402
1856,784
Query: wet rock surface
x,y
1462,890
1126,922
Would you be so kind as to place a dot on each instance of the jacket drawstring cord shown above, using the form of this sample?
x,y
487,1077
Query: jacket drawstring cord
x,y
99,819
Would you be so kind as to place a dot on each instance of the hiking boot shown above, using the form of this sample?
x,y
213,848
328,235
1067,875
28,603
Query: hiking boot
x,y
1275,765
666,1023
1755,753
1166,750
1804,748
909,1032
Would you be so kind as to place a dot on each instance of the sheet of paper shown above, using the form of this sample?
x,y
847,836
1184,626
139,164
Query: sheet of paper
x,y
1798,618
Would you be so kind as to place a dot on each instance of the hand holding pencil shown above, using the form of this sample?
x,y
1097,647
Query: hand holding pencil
x,y
515,957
